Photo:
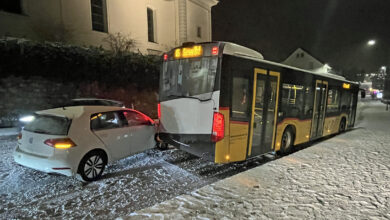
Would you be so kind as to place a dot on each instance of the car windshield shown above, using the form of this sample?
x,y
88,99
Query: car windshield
x,y
193,77
47,124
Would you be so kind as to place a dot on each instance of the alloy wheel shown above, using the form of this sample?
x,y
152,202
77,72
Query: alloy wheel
x,y
94,166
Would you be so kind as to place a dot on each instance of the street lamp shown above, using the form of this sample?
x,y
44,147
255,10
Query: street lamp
x,y
371,42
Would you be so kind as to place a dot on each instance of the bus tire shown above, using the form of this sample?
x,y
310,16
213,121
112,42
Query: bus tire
x,y
287,141
342,125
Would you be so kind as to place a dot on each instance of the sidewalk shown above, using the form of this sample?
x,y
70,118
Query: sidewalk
x,y
344,177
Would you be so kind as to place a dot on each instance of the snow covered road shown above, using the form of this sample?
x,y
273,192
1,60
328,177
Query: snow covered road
x,y
344,177
128,185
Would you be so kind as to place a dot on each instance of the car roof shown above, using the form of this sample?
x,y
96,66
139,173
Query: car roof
x,y
76,111
92,99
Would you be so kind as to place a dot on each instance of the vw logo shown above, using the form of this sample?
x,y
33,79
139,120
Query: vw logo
x,y
30,140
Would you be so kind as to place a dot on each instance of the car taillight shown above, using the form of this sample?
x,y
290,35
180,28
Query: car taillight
x,y
60,143
218,127
159,110
19,136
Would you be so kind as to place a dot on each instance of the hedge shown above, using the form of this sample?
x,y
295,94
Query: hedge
x,y
60,62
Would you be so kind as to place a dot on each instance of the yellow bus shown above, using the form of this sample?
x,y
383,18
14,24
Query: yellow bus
x,y
224,102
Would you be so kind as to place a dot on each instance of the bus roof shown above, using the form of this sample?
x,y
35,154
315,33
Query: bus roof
x,y
246,53
241,51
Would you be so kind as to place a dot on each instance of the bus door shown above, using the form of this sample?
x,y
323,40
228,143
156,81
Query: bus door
x,y
320,96
352,110
264,112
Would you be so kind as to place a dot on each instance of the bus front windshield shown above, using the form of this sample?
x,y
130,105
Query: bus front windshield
x,y
193,77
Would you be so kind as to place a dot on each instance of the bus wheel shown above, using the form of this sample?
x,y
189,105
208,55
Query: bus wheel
x,y
342,125
287,141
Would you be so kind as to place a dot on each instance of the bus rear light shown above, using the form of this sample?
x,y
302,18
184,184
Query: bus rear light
x,y
218,127
214,51
159,110
60,143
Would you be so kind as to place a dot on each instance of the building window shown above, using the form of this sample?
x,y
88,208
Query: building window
x,y
199,32
151,26
99,15
12,6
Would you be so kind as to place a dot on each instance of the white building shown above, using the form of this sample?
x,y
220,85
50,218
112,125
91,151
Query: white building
x,y
155,25
302,59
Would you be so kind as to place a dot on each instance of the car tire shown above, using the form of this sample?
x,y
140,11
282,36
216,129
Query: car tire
x,y
342,125
162,146
92,165
287,141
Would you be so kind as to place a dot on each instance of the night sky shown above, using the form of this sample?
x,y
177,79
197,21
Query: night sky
x,y
334,31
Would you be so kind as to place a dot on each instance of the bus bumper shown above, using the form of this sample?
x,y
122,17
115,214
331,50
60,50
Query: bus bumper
x,y
197,144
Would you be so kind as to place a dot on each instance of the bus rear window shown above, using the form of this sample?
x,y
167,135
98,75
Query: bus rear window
x,y
188,77
47,124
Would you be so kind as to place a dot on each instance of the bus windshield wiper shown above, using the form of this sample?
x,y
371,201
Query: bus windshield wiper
x,y
188,97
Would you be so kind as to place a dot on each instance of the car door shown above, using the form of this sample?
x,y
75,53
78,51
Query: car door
x,y
141,131
112,130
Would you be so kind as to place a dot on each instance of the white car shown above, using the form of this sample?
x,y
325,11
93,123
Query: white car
x,y
83,139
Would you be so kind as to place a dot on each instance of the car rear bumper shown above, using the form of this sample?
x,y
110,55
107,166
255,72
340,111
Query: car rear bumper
x,y
54,164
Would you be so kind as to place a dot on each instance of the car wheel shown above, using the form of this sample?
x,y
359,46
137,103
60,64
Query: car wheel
x,y
342,125
287,141
92,165
162,146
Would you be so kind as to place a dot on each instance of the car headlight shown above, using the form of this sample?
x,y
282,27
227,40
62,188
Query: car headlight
x,y
27,118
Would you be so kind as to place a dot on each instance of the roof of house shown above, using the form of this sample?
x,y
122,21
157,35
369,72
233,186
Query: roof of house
x,y
306,51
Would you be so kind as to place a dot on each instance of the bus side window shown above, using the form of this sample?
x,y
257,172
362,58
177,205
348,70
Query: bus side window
x,y
333,100
308,103
240,98
292,100
345,100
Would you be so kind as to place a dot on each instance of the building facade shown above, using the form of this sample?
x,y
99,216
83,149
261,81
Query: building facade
x,y
304,60
155,25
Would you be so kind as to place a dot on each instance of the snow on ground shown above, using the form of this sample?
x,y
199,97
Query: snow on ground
x,y
128,185
8,131
343,177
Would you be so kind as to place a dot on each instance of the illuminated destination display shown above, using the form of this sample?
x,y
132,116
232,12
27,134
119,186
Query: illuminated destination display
x,y
346,85
195,51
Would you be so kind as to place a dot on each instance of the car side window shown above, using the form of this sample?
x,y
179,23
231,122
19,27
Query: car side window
x,y
134,118
106,120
